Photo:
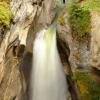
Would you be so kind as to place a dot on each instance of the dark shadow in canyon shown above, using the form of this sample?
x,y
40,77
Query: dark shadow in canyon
x,y
64,52
26,70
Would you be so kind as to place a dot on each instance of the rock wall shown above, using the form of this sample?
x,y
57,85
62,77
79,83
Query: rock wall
x,y
86,53
30,16
95,40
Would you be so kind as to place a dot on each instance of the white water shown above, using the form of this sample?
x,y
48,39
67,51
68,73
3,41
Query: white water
x,y
47,80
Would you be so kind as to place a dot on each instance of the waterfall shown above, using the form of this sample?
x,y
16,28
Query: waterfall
x,y
48,81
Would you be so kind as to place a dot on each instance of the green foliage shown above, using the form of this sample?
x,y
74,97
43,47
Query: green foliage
x,y
61,20
79,20
79,17
89,88
7,1
5,14
92,5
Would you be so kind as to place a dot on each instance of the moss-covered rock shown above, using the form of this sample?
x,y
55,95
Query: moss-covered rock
x,y
89,88
79,20
91,5
5,14
61,20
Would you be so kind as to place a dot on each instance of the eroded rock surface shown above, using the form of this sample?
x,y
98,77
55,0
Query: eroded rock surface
x,y
83,54
95,40
30,16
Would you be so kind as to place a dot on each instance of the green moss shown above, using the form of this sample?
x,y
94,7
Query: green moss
x,y
79,17
92,5
79,20
5,14
7,1
89,88
61,20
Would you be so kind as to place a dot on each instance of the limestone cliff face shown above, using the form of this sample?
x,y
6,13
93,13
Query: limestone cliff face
x,y
95,40
79,51
30,16
82,54
12,81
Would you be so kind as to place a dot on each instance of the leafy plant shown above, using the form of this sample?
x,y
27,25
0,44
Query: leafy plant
x,y
89,88
79,20
91,5
7,1
5,14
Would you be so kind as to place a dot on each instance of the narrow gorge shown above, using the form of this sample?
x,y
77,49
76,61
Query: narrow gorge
x,y
49,50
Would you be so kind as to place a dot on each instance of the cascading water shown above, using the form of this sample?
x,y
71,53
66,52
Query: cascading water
x,y
47,80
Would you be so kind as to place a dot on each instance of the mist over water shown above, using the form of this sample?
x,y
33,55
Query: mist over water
x,y
47,78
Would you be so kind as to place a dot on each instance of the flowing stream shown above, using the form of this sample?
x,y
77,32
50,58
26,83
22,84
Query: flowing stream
x,y
48,81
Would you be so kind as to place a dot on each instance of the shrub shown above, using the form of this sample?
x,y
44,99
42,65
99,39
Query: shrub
x,y
5,14
79,20
7,1
89,88
91,5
